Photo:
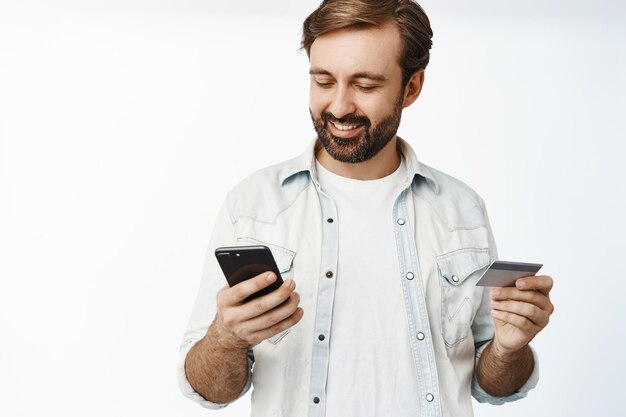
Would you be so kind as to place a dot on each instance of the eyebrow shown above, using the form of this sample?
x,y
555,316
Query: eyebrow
x,y
363,74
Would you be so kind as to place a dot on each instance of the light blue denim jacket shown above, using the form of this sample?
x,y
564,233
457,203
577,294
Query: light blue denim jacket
x,y
444,242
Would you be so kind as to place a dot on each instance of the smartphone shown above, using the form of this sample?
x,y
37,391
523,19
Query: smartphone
x,y
240,263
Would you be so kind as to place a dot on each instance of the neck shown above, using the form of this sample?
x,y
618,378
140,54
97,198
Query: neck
x,y
382,164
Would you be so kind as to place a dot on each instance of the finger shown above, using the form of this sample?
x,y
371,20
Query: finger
x,y
273,316
237,293
542,283
533,297
267,302
530,311
260,336
515,320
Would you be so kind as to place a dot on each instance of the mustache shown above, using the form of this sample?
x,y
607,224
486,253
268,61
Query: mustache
x,y
351,119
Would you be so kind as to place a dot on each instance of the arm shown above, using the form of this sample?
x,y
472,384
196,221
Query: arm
x,y
213,361
217,366
519,313
217,373
502,374
507,371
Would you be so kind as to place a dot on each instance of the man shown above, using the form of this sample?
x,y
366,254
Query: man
x,y
384,250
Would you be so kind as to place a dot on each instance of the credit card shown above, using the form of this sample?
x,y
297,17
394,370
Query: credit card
x,y
504,274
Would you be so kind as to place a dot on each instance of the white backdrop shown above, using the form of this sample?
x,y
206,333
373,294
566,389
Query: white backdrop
x,y
123,124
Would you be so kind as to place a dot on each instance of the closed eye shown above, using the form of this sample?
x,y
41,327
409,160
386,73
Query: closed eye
x,y
363,88
366,88
323,85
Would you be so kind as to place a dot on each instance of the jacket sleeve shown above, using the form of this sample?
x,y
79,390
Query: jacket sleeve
x,y
483,332
205,306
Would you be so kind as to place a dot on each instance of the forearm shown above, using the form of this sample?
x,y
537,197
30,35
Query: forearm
x,y
217,373
502,374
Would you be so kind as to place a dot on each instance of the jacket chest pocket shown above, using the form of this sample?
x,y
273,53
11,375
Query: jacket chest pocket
x,y
284,261
458,273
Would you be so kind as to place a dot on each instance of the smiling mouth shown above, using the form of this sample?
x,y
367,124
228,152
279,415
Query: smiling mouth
x,y
344,130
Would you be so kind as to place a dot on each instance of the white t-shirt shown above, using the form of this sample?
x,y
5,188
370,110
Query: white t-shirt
x,y
371,370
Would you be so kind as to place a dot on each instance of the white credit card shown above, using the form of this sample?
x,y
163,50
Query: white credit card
x,y
504,274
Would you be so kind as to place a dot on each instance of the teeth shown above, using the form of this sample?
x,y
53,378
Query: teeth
x,y
344,127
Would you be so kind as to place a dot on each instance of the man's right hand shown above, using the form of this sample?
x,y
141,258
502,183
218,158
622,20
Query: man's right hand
x,y
244,325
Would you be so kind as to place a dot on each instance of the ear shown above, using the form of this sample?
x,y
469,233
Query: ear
x,y
413,88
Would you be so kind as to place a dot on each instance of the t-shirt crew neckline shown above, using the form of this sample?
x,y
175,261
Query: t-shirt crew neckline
x,y
341,180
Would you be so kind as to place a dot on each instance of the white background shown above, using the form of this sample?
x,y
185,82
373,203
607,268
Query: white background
x,y
123,124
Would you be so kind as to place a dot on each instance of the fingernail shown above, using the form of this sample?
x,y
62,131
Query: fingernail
x,y
495,292
270,277
520,284
292,284
495,303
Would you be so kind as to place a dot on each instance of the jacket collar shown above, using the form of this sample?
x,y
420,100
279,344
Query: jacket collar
x,y
306,163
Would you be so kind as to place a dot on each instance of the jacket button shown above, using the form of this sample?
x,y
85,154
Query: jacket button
x,y
409,275
329,220
321,337
329,274
316,400
430,397
400,222
420,336
455,278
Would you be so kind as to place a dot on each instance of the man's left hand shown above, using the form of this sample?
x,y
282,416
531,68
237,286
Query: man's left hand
x,y
520,312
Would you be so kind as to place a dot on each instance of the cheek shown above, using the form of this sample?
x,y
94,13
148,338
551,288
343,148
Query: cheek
x,y
377,108
373,113
317,102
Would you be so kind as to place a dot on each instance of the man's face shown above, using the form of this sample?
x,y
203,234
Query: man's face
x,y
356,98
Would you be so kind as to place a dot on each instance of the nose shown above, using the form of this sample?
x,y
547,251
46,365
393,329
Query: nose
x,y
342,103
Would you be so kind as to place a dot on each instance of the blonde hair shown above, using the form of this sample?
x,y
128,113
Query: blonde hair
x,y
409,16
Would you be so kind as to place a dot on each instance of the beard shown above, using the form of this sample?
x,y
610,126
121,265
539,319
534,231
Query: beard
x,y
366,144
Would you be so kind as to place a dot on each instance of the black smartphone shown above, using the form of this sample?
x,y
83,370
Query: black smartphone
x,y
240,263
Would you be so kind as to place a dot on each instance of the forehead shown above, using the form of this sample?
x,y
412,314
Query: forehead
x,y
348,51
